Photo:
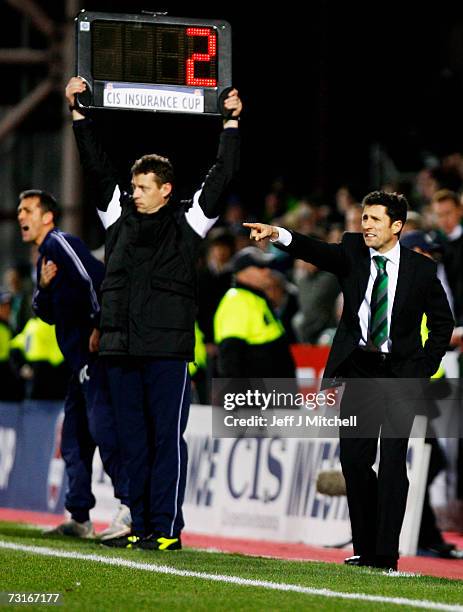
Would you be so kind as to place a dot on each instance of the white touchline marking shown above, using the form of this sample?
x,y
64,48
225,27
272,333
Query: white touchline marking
x,y
275,586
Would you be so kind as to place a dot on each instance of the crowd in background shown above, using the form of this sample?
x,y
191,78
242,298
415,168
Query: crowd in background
x,y
306,300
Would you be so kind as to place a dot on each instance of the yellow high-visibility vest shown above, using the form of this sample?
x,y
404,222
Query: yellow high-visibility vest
x,y
200,352
37,342
5,339
440,372
246,315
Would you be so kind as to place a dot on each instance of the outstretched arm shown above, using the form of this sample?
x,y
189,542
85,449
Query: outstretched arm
x,y
326,256
261,231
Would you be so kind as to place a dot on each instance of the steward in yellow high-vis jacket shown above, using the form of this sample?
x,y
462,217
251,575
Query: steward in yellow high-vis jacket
x,y
43,365
251,340
11,388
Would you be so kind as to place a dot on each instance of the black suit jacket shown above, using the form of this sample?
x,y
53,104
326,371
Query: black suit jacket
x,y
418,292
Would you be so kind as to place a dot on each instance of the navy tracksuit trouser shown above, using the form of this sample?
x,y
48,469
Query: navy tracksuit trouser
x,y
151,398
89,422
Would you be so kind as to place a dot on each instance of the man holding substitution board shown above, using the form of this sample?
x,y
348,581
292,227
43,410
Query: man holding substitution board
x,y
148,311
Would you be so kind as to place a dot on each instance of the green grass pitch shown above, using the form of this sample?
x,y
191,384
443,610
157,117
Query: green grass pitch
x,y
92,585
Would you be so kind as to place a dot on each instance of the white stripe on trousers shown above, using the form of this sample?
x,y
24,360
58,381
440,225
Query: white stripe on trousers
x,y
178,450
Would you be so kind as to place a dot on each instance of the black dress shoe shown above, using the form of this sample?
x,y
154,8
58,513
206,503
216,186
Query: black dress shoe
x,y
444,550
380,562
359,561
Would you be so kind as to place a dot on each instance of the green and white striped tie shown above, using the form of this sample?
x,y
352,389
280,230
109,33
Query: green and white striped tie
x,y
378,318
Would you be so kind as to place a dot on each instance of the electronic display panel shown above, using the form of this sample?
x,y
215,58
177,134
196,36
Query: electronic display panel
x,y
153,62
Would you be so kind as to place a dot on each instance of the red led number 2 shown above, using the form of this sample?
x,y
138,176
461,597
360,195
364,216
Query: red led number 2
x,y
191,79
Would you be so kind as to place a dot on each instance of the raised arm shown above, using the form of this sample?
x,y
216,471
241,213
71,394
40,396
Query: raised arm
x,y
97,165
208,200
75,86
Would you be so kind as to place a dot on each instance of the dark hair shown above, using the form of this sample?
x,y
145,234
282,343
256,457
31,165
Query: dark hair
x,y
396,204
47,201
446,194
160,166
221,235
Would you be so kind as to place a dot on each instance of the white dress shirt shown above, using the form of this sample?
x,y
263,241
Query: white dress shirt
x,y
392,269
455,233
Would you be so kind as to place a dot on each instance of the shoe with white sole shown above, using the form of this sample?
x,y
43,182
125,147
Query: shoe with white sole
x,y
120,526
74,529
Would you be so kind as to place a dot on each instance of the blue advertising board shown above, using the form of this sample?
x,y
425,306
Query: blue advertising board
x,y
31,468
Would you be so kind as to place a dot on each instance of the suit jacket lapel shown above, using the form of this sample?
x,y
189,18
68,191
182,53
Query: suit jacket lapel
x,y
404,282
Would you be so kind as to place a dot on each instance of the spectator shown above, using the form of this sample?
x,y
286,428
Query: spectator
x,y
353,218
10,388
283,297
343,201
327,335
414,221
426,185
40,362
318,291
214,279
18,282
335,232
301,218
251,340
234,214
448,214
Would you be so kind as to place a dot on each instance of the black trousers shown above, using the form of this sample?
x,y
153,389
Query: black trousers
x,y
430,534
376,501
89,421
151,398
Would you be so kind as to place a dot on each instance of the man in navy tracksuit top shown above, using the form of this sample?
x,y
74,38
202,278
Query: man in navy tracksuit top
x,y
148,313
68,284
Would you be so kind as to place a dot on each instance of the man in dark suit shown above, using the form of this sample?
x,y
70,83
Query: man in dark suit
x,y
387,289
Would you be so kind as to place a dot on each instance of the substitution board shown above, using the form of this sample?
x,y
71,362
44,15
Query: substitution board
x,y
153,62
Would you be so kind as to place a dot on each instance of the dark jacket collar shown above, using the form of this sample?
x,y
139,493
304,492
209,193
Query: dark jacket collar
x,y
43,245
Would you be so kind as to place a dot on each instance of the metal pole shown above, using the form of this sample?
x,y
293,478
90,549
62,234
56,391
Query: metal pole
x,y
38,17
71,186
23,56
18,113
